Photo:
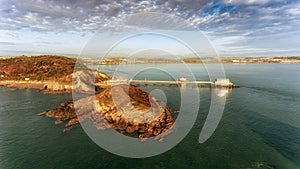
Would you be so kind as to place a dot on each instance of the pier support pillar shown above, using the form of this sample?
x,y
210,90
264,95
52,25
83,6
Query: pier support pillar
x,y
183,85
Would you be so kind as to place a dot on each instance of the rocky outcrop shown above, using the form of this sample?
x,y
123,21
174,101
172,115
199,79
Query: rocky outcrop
x,y
64,112
124,108
83,80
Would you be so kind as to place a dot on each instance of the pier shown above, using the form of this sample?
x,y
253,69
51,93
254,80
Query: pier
x,y
182,82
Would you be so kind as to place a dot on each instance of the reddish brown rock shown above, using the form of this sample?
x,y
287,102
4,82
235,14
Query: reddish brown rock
x,y
72,122
42,113
130,129
58,121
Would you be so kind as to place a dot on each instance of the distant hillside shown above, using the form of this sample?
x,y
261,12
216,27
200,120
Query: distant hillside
x,y
36,67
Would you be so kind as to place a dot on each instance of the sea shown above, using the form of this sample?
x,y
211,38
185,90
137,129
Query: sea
x,y
259,128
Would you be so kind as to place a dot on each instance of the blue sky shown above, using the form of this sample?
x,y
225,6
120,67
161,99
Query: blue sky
x,y
234,27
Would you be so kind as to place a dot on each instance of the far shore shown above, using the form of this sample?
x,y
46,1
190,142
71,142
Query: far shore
x,y
208,60
187,60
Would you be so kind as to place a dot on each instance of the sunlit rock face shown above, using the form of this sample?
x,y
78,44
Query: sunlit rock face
x,y
84,80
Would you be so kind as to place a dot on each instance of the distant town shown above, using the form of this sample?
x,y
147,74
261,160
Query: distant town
x,y
224,60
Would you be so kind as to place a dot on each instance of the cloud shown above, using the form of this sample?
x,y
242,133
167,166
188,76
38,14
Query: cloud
x,y
251,2
293,11
8,43
12,35
231,22
66,15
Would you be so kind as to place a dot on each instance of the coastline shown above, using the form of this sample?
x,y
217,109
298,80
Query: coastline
x,y
49,86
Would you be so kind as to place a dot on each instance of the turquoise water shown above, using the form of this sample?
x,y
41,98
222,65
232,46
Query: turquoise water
x,y
260,127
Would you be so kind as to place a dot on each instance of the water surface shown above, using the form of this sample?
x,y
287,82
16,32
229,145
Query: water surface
x,y
260,127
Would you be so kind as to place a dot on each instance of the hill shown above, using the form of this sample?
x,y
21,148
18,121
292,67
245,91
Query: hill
x,y
52,73
36,68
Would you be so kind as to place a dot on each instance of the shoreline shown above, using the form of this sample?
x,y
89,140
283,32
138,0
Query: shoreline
x,y
49,86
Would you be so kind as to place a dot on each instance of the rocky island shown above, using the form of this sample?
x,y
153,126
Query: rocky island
x,y
142,115
124,108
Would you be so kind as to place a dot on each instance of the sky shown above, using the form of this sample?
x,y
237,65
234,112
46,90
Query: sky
x,y
232,27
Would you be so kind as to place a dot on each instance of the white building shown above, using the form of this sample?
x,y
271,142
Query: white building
x,y
222,82
235,61
182,79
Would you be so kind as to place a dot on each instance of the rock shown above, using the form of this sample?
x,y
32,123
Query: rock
x,y
157,131
122,125
72,122
58,121
42,113
130,129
